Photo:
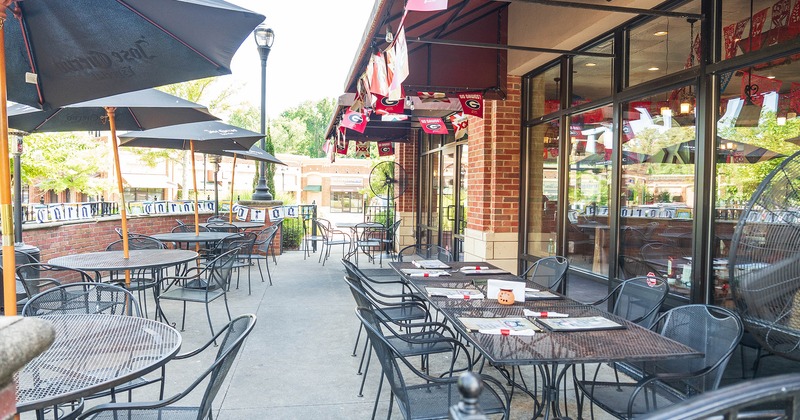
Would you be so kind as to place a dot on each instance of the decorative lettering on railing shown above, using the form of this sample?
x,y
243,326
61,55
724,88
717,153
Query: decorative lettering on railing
x,y
258,214
45,213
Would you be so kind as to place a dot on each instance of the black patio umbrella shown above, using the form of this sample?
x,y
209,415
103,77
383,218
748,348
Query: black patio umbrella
x,y
60,52
212,137
139,110
255,153
727,152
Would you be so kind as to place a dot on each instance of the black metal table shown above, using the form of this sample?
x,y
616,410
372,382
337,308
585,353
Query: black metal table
x,y
238,224
92,353
114,260
550,350
190,237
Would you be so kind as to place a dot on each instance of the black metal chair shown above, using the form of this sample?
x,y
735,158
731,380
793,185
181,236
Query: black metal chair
x,y
549,272
217,219
774,397
142,279
632,267
22,258
330,238
201,285
390,238
235,333
432,398
425,252
221,226
370,241
37,277
83,298
712,331
311,235
263,247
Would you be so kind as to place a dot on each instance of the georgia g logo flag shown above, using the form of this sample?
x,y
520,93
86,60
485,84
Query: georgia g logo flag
x,y
354,121
472,103
426,5
384,105
433,125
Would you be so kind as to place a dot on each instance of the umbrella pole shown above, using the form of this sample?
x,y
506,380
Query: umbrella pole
x,y
230,202
194,183
112,124
9,281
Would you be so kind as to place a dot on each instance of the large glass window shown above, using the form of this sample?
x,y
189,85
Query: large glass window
x,y
346,202
750,26
589,183
663,46
543,154
591,76
755,131
657,207
544,92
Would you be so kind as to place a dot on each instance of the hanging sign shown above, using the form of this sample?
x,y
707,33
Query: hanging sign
x,y
276,213
432,125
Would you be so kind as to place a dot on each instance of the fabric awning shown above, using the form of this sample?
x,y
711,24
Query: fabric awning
x,y
314,188
148,181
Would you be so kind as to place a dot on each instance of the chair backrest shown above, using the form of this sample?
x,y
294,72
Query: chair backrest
x,y
221,227
38,277
425,252
631,267
639,299
387,357
83,298
371,233
220,270
217,219
119,231
549,272
137,242
189,228
266,236
711,330
235,333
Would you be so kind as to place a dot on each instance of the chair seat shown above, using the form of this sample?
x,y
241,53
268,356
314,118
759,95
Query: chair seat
x,y
172,413
615,396
433,401
338,242
416,349
191,295
402,313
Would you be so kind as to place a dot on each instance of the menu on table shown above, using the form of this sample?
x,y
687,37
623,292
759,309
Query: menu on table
x,y
454,293
588,323
501,326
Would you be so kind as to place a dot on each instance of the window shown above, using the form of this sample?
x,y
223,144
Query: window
x,y
346,202
543,155
591,76
545,92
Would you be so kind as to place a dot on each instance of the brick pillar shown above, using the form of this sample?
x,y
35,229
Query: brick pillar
x,y
493,177
407,155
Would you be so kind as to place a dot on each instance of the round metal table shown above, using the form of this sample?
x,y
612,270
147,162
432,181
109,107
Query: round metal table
x,y
114,261
238,224
93,353
190,237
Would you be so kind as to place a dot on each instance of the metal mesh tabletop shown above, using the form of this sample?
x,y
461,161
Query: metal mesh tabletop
x,y
191,237
633,343
92,353
113,260
238,225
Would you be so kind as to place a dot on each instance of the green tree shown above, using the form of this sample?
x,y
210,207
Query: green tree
x,y
301,130
60,161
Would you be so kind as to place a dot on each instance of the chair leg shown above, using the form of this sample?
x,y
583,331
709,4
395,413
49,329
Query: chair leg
x,y
378,396
266,263
183,318
358,337
364,376
210,325
261,272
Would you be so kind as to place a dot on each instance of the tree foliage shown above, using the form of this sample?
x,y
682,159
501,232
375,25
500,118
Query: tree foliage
x,y
301,130
60,161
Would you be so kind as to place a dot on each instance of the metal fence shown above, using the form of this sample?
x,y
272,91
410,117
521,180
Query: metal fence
x,y
293,230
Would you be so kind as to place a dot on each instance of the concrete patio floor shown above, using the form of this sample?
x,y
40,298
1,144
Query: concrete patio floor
x,y
297,362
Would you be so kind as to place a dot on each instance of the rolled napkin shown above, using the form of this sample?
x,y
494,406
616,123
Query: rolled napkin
x,y
499,331
432,274
544,314
467,297
528,289
474,268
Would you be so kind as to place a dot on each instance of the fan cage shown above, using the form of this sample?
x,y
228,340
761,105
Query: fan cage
x,y
764,261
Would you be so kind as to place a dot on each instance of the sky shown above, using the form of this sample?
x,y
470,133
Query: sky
x,y
315,43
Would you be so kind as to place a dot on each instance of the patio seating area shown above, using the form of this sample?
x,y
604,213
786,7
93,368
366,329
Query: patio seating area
x,y
297,361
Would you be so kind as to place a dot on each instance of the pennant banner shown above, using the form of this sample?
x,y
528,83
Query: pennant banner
x,y
385,148
362,150
384,105
355,121
432,97
379,82
276,213
460,124
472,103
433,125
426,5
400,65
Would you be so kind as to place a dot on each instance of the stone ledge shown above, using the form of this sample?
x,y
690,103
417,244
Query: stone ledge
x,y
21,339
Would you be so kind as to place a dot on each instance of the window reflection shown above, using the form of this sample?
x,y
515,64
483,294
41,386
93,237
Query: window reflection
x,y
543,152
657,189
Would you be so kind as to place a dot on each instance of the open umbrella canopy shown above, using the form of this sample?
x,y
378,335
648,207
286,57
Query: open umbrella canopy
x,y
212,137
733,152
139,110
255,153
63,52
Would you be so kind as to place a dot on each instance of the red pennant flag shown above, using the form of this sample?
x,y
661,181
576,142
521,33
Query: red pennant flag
x,y
399,65
362,150
341,144
780,19
379,79
355,121
433,125
385,105
472,103
426,5
385,148
460,124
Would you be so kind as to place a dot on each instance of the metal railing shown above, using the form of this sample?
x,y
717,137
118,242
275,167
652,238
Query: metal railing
x,y
293,229
57,212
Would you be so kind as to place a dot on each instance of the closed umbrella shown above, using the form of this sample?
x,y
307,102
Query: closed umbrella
x,y
212,137
60,52
255,153
139,110
727,152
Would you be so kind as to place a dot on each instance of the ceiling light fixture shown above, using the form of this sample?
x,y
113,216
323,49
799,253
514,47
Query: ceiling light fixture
x,y
591,64
654,69
661,33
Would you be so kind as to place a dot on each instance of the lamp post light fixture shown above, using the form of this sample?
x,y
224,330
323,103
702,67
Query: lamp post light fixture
x,y
264,38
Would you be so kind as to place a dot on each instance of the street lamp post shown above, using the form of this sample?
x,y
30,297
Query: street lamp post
x,y
264,38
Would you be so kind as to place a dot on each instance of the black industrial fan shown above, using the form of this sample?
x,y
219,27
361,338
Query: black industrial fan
x,y
764,261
